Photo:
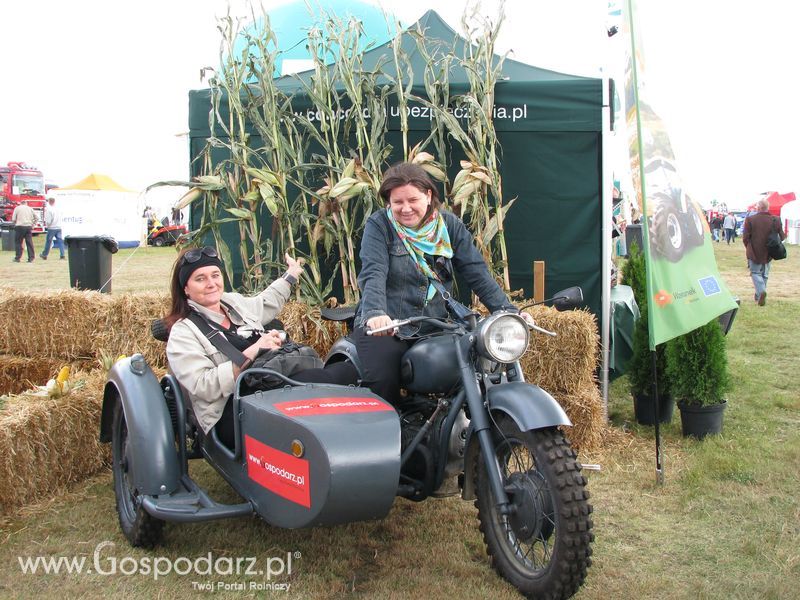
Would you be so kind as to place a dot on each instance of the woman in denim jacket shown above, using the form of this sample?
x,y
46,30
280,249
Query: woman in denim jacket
x,y
403,249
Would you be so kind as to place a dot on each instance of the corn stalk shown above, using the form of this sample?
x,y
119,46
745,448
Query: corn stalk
x,y
436,77
349,126
403,81
482,173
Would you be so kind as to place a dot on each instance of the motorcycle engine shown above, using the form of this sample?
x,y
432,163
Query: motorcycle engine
x,y
429,448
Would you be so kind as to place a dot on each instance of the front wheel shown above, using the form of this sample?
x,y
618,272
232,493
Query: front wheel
x,y
139,527
543,546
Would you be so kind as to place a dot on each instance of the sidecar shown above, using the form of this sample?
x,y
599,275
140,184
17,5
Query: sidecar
x,y
304,455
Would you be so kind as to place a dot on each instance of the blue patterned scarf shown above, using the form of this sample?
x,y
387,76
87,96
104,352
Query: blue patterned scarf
x,y
430,238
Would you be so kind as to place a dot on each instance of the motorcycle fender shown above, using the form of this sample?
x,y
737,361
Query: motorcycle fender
x,y
530,407
152,457
344,349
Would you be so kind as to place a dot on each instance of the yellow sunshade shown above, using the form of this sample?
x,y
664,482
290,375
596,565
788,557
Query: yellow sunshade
x,y
96,181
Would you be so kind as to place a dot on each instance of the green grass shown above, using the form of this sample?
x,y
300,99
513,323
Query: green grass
x,y
726,523
132,269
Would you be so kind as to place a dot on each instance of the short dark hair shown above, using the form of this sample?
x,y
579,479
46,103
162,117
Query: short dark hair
x,y
406,173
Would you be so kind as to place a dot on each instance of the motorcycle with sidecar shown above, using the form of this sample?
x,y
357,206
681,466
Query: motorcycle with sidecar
x,y
320,454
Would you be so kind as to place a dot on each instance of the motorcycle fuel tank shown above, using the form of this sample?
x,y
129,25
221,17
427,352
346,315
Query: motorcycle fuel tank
x,y
320,454
431,366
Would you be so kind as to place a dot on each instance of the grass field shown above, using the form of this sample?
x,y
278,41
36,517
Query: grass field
x,y
132,269
726,523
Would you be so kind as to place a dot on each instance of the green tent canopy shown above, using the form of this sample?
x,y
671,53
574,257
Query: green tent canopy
x,y
549,126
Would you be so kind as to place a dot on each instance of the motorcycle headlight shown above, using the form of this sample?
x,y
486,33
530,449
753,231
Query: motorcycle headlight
x,y
503,337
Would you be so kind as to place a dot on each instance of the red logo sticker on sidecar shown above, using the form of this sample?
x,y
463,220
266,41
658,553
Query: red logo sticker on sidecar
x,y
280,473
332,406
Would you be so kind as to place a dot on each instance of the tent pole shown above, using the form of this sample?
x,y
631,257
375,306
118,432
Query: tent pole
x,y
607,179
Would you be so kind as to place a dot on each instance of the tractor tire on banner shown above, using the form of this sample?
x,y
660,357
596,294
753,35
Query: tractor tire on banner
x,y
695,232
667,237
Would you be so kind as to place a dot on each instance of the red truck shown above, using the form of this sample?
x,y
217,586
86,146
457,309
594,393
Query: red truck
x,y
19,181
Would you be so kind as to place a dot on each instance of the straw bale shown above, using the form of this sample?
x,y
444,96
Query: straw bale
x,y
565,363
125,327
51,324
20,373
304,325
48,443
584,407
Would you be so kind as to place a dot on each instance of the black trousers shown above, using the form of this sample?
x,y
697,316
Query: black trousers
x,y
23,233
343,373
380,358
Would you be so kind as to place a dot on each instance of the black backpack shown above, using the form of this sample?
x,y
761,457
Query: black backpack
x,y
775,247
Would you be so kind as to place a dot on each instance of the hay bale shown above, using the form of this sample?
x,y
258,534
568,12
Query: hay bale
x,y
566,363
48,443
20,373
304,325
52,324
585,409
125,327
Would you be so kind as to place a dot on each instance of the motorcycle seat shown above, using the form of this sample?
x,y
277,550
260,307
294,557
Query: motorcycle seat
x,y
338,313
158,329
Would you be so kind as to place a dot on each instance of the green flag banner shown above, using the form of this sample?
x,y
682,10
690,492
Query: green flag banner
x,y
684,287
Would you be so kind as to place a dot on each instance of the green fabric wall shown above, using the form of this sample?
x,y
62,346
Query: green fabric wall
x,y
551,161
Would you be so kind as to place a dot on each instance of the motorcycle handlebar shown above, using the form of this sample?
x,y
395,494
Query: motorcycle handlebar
x,y
400,322
541,330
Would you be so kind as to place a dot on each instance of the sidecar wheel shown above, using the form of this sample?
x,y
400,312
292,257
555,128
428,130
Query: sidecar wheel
x,y
139,527
544,547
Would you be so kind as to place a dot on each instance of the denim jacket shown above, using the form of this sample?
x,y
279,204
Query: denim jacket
x,y
391,284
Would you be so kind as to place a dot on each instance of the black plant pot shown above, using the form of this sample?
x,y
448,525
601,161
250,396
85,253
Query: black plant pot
x,y
644,413
700,421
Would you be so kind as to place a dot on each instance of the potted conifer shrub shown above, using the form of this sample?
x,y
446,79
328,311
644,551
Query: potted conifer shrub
x,y
697,367
640,366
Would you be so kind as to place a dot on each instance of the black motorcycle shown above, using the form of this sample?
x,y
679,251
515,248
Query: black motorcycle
x,y
310,454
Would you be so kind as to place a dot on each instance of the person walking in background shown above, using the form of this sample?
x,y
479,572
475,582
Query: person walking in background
x,y
24,219
150,215
757,228
729,224
52,219
716,227
177,216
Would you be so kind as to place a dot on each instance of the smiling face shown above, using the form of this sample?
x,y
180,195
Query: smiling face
x,y
205,286
409,205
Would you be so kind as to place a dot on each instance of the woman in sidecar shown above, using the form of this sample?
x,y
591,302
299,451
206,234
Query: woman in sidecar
x,y
201,309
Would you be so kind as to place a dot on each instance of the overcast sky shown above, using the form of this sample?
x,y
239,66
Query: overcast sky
x,y
102,86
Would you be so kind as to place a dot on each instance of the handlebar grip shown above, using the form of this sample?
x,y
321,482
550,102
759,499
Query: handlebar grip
x,y
394,325
540,330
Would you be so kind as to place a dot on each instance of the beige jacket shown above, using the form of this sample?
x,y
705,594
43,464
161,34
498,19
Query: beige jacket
x,y
205,372
23,216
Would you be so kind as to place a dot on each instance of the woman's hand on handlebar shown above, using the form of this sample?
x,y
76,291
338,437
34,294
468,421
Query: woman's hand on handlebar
x,y
527,318
381,321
